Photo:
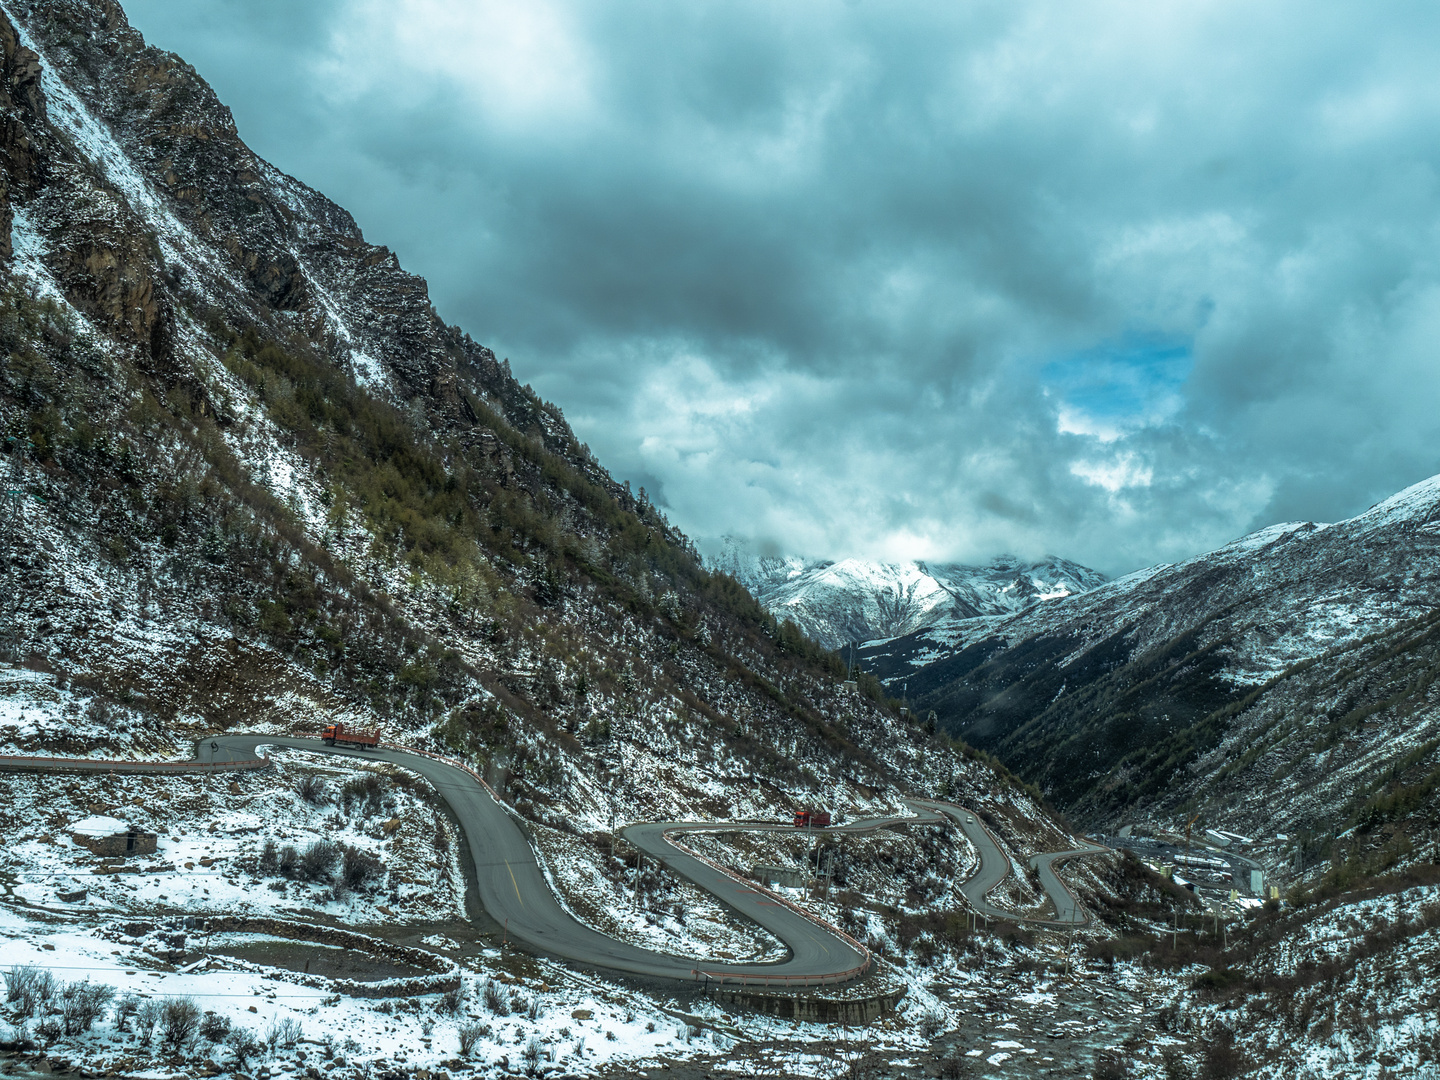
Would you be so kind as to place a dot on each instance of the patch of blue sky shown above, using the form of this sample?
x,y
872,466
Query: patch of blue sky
x,y
1119,387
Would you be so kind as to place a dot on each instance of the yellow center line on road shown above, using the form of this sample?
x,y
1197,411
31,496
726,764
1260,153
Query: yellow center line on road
x,y
515,883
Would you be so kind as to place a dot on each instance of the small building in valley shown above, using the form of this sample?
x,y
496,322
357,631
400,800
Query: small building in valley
x,y
112,838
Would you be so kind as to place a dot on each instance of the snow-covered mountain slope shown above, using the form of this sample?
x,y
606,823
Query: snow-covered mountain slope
x,y
262,482
1293,675
854,600
253,480
1277,596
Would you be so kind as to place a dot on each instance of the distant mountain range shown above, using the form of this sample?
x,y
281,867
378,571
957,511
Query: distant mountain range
x,y
837,602
1291,677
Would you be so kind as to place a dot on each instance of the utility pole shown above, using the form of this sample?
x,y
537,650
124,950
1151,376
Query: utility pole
x,y
809,835
1188,826
1070,949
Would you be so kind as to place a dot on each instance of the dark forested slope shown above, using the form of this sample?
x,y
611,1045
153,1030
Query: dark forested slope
x,y
1286,682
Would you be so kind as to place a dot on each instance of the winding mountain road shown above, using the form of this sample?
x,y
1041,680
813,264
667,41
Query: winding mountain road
x,y
995,868
514,892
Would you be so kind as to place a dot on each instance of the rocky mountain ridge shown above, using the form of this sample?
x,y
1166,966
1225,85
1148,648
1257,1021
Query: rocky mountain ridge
x,y
1285,682
837,602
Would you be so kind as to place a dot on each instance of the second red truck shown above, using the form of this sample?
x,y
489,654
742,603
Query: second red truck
x,y
340,735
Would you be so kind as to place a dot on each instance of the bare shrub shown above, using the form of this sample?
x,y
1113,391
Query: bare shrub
x,y
99,711
954,1065
289,861
269,861
15,981
932,1023
19,1037
81,1004
179,1022
214,1027
286,1032
450,1001
531,1056
243,1044
28,988
365,793
125,1010
318,861
359,869
494,998
470,1034
311,789
46,989
146,1017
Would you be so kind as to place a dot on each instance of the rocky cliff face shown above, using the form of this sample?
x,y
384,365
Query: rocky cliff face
x,y
181,214
261,482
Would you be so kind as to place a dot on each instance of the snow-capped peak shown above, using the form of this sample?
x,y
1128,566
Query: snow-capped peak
x,y
840,601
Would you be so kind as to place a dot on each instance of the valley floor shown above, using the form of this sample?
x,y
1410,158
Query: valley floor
x,y
121,924
1332,989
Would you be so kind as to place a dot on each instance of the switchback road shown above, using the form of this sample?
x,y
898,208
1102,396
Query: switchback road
x,y
513,890
995,868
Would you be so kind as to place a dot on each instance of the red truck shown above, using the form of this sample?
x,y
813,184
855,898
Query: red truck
x,y
811,819
338,734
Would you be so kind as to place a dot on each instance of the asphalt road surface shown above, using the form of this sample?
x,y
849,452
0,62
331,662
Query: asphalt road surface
x,y
995,868
514,892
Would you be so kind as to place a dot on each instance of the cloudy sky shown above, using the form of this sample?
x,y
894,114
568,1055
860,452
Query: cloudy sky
x,y
1117,281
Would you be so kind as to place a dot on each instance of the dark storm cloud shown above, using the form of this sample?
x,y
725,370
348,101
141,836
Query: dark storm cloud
x,y
1116,281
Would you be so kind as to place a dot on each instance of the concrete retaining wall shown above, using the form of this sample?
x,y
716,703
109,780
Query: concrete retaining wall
x,y
815,1010
98,765
781,875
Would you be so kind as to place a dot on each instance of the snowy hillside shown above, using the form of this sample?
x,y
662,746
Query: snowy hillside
x,y
1288,681
256,482
259,482
854,600
1279,595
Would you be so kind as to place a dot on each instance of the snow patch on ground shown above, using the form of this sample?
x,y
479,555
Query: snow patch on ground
x,y
211,832
676,918
341,1031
